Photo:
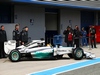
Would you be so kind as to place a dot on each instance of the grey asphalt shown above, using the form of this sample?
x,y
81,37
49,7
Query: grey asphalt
x,y
90,70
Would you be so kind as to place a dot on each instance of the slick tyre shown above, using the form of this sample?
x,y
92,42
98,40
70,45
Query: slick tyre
x,y
78,53
14,56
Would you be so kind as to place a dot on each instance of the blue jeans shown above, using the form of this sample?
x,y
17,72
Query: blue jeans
x,y
84,41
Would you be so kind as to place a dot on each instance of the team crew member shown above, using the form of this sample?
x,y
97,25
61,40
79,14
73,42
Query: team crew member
x,y
77,35
3,38
70,37
66,32
84,39
24,35
93,36
16,35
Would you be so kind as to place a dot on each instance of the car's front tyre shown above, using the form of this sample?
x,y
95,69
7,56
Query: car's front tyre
x,y
78,53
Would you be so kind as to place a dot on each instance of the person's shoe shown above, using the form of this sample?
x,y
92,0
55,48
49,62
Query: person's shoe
x,y
95,47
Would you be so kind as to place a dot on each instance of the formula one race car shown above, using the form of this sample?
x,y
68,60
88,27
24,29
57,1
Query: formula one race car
x,y
37,49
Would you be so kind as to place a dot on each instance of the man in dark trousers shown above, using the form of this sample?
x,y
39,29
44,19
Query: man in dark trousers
x,y
66,32
68,36
3,38
16,35
77,35
93,36
24,35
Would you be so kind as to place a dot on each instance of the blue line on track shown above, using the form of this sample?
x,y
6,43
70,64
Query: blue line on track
x,y
67,67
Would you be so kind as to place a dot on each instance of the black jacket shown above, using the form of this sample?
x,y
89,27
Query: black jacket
x,y
77,34
3,36
16,35
92,31
24,36
66,32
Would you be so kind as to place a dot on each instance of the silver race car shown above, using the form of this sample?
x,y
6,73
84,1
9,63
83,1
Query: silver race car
x,y
37,49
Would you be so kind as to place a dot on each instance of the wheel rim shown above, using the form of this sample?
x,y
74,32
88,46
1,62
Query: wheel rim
x,y
15,56
79,53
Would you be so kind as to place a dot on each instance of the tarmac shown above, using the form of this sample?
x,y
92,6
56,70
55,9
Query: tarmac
x,y
26,67
90,70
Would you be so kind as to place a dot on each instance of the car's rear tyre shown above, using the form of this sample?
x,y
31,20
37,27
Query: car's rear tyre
x,y
70,55
78,53
14,56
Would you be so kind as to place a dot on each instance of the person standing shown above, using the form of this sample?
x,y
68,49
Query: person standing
x,y
70,38
3,38
16,35
66,32
77,35
93,36
24,35
84,38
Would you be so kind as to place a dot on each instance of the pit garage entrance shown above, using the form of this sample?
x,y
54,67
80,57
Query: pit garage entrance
x,y
51,24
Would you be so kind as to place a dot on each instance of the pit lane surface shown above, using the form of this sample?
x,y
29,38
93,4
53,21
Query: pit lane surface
x,y
90,70
66,68
29,66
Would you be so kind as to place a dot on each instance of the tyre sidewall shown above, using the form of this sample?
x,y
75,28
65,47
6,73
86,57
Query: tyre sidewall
x,y
11,55
75,55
